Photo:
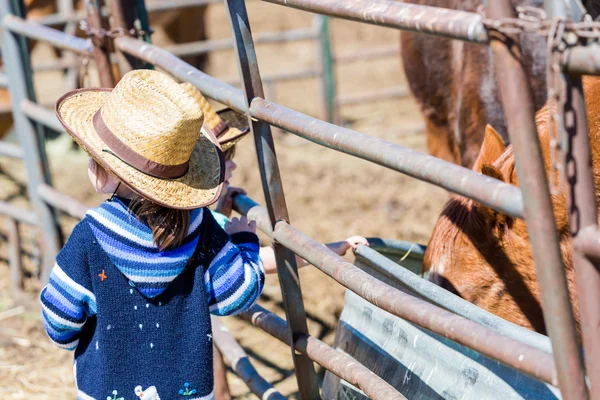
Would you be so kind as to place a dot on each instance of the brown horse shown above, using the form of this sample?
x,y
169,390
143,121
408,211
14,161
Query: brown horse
x,y
485,257
454,84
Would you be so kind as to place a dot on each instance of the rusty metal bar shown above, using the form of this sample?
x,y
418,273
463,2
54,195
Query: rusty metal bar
x,y
271,181
101,49
41,114
240,363
508,351
582,206
62,202
31,136
443,22
206,46
42,33
434,294
18,213
11,150
246,206
333,360
588,243
14,257
519,110
375,95
491,192
582,60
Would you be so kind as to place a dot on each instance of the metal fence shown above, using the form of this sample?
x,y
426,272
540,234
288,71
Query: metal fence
x,y
563,368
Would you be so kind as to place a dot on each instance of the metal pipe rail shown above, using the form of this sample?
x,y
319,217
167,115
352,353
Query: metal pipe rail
x,y
491,192
341,364
588,242
437,21
512,352
62,202
18,213
240,363
206,46
42,33
11,150
41,114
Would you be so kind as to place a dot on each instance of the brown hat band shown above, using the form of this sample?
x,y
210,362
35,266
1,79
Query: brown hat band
x,y
218,130
133,159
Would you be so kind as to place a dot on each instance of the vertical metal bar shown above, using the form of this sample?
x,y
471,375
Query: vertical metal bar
x,y
126,15
14,256
101,50
142,14
326,68
581,203
519,110
65,8
17,67
273,190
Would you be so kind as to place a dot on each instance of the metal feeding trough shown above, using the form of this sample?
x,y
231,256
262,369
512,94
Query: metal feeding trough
x,y
418,363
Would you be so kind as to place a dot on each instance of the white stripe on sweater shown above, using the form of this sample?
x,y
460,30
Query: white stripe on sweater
x,y
116,228
62,276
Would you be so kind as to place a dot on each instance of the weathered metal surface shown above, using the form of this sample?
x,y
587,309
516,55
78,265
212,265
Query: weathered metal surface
x,y
101,49
338,362
533,362
62,202
11,150
325,65
48,35
273,190
582,207
16,65
246,206
14,257
397,275
588,242
238,361
41,114
519,110
491,192
582,60
421,364
444,22
18,213
206,46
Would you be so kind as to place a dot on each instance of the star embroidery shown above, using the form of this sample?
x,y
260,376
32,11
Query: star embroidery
x,y
102,276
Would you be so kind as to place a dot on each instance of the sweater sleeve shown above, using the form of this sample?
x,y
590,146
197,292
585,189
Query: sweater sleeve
x,y
68,299
235,277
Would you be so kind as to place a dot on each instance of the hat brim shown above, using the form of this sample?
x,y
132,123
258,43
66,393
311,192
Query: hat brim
x,y
199,187
238,128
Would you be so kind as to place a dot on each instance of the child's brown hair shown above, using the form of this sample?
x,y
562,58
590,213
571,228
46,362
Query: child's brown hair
x,y
169,226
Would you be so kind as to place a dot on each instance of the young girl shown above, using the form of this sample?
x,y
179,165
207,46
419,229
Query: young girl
x,y
132,289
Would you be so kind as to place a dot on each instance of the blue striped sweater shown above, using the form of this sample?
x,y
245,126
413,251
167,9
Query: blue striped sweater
x,y
137,317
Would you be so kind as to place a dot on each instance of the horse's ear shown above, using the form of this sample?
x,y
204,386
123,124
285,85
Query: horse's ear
x,y
491,148
492,172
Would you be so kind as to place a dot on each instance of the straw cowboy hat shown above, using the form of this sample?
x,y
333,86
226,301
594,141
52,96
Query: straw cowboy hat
x,y
147,132
227,125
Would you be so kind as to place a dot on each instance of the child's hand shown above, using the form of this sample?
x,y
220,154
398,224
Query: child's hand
x,y
240,225
340,248
225,204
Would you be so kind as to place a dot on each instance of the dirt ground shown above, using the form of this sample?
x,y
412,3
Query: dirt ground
x,y
329,195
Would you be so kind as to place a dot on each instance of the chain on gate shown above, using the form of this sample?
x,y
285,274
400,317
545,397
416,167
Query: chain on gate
x,y
561,34
95,38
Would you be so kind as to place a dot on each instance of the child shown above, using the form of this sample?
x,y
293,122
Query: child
x,y
132,289
229,127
